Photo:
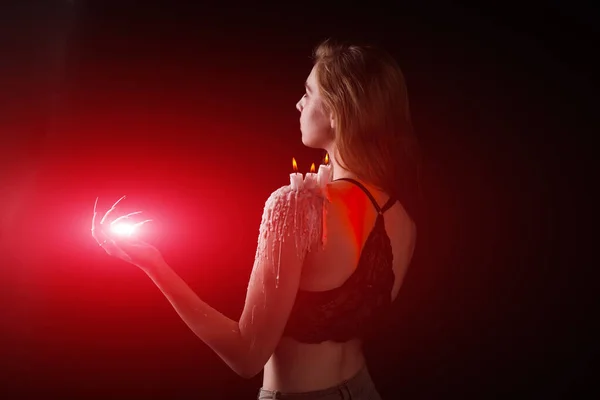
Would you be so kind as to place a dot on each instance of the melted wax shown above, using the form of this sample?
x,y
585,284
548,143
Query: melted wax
x,y
287,215
291,214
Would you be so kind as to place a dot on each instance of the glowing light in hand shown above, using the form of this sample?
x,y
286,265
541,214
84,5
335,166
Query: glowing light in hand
x,y
123,229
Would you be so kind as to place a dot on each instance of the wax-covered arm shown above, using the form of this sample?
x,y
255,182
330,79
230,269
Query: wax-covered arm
x,y
245,346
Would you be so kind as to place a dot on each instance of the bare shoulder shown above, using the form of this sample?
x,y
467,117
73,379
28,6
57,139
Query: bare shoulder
x,y
345,196
338,190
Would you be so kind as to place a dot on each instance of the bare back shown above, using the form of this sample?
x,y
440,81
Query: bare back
x,y
300,367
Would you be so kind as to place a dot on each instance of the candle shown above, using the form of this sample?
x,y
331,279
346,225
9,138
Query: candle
x,y
310,180
324,175
296,181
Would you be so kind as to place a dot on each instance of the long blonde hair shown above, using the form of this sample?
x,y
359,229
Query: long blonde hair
x,y
364,88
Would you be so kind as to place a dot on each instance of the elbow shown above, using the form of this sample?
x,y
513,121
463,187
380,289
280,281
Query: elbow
x,y
249,371
250,361
242,370
246,374
243,367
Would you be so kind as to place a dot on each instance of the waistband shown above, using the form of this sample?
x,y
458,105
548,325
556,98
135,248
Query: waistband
x,y
343,390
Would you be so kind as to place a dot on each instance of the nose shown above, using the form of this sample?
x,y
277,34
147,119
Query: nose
x,y
299,105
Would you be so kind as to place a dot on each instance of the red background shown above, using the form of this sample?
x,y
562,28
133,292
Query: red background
x,y
190,112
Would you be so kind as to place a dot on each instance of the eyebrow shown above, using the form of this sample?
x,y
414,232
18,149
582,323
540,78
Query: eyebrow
x,y
307,87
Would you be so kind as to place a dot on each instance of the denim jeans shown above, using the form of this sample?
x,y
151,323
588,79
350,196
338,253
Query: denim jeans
x,y
359,387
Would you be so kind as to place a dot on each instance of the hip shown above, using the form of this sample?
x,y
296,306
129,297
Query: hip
x,y
358,387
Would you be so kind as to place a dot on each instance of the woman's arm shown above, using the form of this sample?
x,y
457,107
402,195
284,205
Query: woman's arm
x,y
219,332
248,344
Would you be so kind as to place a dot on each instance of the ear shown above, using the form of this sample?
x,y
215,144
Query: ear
x,y
332,121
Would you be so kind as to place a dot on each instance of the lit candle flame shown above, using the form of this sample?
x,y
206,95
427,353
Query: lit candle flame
x,y
294,165
326,158
312,168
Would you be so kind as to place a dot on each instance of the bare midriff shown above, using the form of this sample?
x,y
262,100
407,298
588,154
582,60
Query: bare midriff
x,y
302,367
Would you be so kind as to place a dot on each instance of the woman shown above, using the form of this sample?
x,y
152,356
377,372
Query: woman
x,y
304,319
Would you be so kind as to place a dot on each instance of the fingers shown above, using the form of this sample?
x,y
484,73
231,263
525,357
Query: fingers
x,y
125,217
94,216
97,233
109,243
111,209
136,225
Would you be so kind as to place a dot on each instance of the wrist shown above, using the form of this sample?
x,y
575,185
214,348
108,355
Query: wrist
x,y
155,267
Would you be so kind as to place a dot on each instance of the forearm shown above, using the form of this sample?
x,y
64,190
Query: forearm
x,y
219,332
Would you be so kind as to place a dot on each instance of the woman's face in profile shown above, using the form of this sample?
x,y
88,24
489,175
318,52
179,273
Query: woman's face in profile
x,y
315,122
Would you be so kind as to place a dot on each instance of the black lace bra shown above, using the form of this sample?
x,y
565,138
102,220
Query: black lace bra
x,y
352,309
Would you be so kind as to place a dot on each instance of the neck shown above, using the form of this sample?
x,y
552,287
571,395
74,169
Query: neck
x,y
338,171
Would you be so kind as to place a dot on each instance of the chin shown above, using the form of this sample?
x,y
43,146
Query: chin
x,y
312,143
306,141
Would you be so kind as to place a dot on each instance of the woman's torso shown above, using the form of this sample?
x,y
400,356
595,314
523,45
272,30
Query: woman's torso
x,y
301,367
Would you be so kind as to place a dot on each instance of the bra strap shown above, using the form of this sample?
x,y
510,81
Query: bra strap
x,y
380,211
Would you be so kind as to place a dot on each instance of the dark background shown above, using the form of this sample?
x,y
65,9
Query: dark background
x,y
189,110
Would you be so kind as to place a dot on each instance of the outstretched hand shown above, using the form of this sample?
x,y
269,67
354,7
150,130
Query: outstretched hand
x,y
124,247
